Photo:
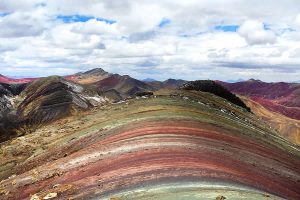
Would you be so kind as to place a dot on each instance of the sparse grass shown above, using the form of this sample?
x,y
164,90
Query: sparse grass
x,y
27,129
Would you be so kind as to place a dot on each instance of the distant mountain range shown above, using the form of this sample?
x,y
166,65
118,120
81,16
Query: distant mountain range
x,y
30,102
98,135
279,97
167,84
276,103
148,80
235,81
5,79
39,100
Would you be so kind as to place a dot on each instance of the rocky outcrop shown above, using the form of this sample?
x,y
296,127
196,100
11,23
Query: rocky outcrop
x,y
9,121
52,98
24,108
216,89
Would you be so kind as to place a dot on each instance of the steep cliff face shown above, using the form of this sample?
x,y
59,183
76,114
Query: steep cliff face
x,y
176,143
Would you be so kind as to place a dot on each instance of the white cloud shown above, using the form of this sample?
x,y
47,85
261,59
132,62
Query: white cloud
x,y
297,20
255,33
11,6
295,53
63,36
21,24
32,38
96,27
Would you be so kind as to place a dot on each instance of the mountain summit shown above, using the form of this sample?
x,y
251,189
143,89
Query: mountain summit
x,y
89,77
93,72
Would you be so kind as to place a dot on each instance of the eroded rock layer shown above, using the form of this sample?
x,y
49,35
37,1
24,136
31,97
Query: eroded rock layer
x,y
175,144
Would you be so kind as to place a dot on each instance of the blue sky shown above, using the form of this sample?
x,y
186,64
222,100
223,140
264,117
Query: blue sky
x,y
4,14
82,18
152,39
227,28
164,22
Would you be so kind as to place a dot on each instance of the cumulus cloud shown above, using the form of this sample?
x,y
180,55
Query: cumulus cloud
x,y
142,36
96,27
20,25
11,6
295,53
297,21
127,37
254,32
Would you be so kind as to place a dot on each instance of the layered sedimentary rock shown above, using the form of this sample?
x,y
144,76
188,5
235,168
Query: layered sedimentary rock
x,y
277,103
175,144
280,97
8,121
23,108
